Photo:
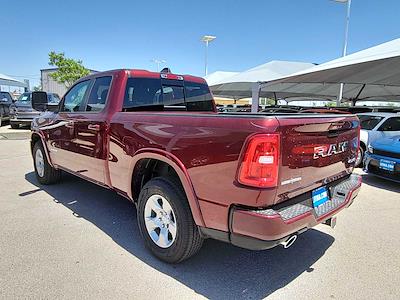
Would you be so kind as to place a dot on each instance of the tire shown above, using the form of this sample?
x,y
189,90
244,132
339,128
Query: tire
x,y
360,158
14,126
187,240
45,173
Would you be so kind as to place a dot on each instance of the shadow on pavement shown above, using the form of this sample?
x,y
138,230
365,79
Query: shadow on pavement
x,y
380,183
219,270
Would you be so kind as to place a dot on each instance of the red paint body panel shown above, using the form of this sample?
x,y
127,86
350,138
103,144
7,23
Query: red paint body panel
x,y
204,148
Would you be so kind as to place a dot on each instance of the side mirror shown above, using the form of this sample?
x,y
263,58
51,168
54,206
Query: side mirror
x,y
39,101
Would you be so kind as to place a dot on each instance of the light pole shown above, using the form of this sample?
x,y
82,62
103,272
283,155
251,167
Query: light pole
x,y
207,39
158,62
346,35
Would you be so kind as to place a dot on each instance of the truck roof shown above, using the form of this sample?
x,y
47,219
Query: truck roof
x,y
144,73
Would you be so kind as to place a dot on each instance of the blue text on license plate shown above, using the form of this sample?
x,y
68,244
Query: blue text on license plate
x,y
386,165
319,196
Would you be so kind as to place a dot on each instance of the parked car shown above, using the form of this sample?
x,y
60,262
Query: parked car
x,y
376,125
5,101
256,180
383,158
22,113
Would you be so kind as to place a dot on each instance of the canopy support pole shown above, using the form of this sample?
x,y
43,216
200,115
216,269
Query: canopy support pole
x,y
354,100
255,97
359,93
276,100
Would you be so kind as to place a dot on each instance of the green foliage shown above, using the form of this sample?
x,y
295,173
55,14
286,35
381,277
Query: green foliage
x,y
267,101
69,70
37,88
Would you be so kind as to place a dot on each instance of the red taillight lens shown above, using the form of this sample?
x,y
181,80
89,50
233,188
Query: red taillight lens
x,y
260,164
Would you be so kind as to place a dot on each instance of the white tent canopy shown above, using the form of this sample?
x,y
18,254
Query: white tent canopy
x,y
369,74
242,84
7,80
218,77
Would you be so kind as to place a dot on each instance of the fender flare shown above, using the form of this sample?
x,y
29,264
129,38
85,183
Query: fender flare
x,y
41,137
177,165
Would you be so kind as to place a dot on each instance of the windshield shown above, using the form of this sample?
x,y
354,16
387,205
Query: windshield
x,y
369,122
25,97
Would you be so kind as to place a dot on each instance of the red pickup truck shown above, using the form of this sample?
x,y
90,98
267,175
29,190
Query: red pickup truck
x,y
253,180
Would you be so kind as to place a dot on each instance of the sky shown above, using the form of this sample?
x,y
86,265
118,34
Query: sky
x,y
129,34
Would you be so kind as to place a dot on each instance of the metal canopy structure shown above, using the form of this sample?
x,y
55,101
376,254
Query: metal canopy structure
x,y
242,84
370,74
9,81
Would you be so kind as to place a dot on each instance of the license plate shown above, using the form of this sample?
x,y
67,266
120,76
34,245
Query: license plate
x,y
387,165
319,196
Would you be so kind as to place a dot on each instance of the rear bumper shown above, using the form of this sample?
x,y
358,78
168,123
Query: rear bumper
x,y
371,166
264,229
24,122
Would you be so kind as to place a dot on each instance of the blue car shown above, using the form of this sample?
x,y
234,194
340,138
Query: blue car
x,y
383,158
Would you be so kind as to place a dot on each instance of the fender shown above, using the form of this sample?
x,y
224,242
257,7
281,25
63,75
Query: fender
x,y
179,168
40,135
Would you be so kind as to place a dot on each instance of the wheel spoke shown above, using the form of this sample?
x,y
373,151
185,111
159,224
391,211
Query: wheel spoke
x,y
152,223
172,229
163,238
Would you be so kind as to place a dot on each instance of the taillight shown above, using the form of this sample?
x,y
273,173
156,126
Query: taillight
x,y
260,163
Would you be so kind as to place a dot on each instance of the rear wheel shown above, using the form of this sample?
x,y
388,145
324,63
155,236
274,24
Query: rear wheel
x,y
45,173
14,126
165,221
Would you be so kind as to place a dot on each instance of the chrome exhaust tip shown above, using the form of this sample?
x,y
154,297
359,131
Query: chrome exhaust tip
x,y
289,242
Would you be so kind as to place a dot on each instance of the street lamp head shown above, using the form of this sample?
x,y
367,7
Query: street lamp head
x,y
208,38
158,61
340,1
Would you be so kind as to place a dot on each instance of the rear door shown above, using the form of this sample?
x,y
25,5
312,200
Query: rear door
x,y
315,151
90,129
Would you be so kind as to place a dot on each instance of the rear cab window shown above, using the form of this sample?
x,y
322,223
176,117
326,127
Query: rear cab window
x,y
156,94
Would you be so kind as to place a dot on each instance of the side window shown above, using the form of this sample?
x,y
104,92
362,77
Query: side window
x,y
98,95
153,94
144,93
198,97
391,124
75,97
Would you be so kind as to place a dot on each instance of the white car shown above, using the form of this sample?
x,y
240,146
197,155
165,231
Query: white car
x,y
376,125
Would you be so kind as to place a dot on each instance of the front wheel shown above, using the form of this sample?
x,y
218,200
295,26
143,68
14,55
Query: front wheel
x,y
165,221
360,157
45,173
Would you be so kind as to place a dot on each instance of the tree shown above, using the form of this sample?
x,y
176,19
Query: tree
x,y
37,88
69,70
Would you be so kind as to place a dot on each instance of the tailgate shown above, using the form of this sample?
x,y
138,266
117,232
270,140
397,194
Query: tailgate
x,y
315,151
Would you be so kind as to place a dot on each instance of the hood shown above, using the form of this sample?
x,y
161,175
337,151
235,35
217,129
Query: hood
x,y
23,104
391,144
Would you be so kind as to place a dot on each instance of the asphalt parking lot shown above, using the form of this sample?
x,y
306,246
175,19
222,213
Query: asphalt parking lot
x,y
77,240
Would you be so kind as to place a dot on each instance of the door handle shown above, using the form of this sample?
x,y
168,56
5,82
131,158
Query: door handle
x,y
95,127
70,124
